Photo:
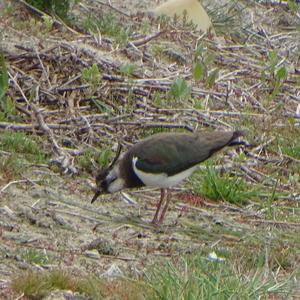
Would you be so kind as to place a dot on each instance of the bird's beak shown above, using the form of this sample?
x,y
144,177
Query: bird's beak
x,y
97,194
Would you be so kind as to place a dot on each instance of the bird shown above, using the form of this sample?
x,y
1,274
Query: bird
x,y
162,161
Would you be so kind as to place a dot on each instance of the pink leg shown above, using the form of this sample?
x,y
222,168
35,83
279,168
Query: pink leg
x,y
169,195
162,195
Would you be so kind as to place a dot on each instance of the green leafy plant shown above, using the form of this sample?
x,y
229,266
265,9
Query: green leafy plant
x,y
198,71
104,157
277,75
198,103
211,78
272,61
204,67
127,69
92,76
280,77
180,90
47,23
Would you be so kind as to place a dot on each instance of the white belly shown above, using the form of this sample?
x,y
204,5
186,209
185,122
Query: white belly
x,y
161,180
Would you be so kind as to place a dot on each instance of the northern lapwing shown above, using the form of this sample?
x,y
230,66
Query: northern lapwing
x,y
162,160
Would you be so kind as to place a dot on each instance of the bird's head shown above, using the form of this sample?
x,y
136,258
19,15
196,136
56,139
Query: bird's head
x,y
106,176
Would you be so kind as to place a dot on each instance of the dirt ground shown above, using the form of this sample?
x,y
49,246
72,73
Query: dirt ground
x,y
43,210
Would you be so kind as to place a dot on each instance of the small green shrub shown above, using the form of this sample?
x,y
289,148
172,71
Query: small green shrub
x,y
277,75
204,67
104,157
92,75
180,90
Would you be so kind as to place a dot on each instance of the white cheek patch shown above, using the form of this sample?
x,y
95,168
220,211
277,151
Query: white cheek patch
x,y
116,185
161,180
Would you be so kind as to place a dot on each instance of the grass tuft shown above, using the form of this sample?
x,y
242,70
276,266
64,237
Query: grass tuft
x,y
36,285
210,183
19,142
21,149
196,277
107,24
11,167
34,256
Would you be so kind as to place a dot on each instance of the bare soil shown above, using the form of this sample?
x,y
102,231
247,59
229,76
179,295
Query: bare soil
x,y
49,211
